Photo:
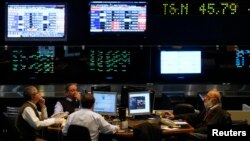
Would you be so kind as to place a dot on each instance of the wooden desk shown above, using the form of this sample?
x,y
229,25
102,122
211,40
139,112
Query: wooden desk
x,y
128,133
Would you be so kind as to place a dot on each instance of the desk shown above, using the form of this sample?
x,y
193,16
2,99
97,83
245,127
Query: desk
x,y
128,133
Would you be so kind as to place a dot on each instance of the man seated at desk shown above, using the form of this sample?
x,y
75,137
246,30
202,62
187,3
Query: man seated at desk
x,y
71,102
90,119
30,121
213,114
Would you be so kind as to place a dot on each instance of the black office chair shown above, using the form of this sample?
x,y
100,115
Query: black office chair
x,y
147,132
183,109
79,132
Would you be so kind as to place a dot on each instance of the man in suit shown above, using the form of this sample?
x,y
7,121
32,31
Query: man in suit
x,y
213,114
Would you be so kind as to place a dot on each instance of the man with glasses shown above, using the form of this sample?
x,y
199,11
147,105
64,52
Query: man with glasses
x,y
213,114
30,121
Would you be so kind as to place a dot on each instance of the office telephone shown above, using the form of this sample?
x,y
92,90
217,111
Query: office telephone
x,y
168,122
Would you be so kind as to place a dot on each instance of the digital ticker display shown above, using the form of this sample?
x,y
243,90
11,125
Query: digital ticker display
x,y
202,8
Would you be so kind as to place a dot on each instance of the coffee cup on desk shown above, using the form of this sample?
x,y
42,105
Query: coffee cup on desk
x,y
124,124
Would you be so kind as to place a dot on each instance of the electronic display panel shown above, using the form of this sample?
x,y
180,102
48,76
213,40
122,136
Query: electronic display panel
x,y
118,64
180,62
118,16
242,58
35,22
33,60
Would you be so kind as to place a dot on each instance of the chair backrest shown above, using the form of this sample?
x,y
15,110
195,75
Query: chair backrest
x,y
147,132
79,132
183,109
245,107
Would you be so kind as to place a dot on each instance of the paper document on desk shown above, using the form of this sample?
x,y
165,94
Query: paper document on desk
x,y
180,122
165,127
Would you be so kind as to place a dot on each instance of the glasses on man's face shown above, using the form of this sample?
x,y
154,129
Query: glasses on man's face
x,y
73,90
207,97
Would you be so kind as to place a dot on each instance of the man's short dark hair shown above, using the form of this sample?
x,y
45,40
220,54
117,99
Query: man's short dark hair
x,y
87,100
68,85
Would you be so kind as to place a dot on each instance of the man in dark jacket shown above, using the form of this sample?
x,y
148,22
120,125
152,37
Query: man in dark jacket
x,y
213,114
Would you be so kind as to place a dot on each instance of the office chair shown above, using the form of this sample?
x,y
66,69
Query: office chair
x,y
147,132
183,109
79,132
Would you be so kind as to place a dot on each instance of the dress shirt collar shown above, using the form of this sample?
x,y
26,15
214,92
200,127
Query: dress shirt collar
x,y
86,109
69,99
32,104
215,106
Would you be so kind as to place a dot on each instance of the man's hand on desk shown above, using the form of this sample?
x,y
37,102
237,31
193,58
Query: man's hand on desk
x,y
169,115
60,121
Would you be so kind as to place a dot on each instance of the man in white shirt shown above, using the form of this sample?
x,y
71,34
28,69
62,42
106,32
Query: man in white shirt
x,y
30,121
90,119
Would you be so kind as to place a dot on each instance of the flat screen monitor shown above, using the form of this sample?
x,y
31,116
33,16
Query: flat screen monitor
x,y
118,16
105,102
35,22
125,92
139,103
180,62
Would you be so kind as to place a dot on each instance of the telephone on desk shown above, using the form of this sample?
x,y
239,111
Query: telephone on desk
x,y
169,123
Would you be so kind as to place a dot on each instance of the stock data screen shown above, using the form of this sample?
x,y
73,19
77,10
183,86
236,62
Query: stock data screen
x,y
38,60
114,64
242,59
113,60
35,21
118,16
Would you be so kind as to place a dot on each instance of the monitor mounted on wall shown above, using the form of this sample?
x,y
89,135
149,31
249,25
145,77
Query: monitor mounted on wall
x,y
180,62
118,17
27,21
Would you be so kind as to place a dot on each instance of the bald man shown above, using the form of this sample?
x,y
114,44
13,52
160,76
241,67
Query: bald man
x,y
213,115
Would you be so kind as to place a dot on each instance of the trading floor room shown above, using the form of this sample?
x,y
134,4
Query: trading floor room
x,y
142,61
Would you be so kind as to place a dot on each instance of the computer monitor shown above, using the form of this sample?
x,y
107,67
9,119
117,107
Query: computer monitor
x,y
139,103
180,62
105,102
124,93
118,16
27,21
